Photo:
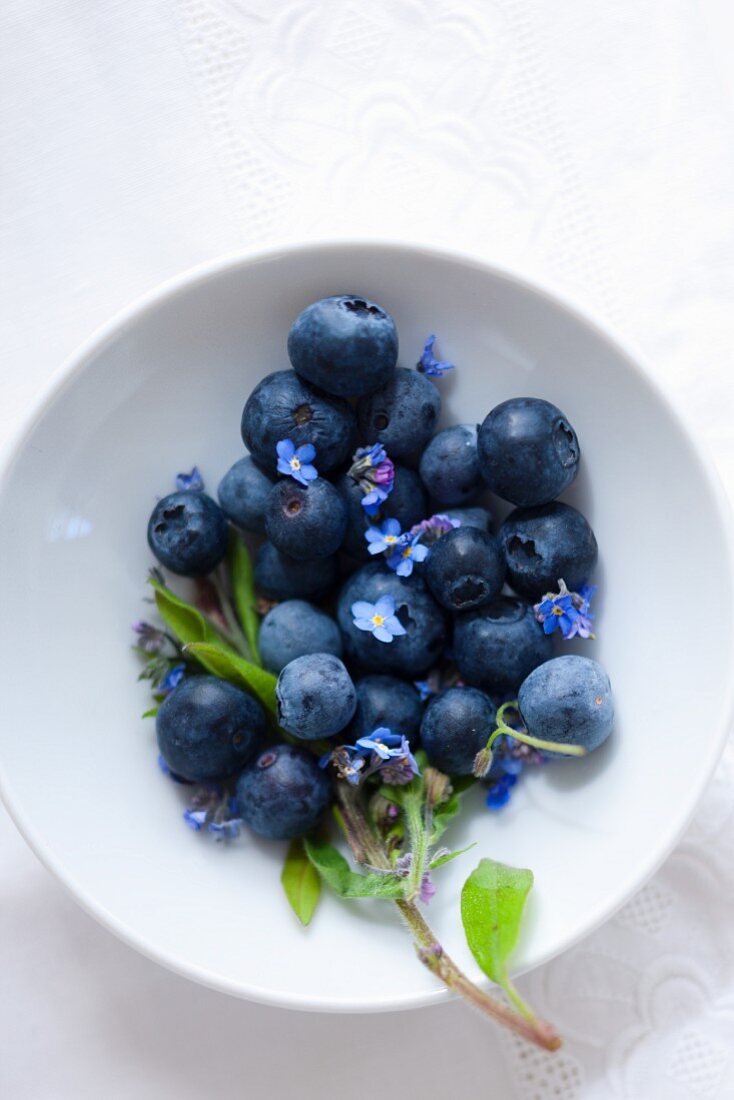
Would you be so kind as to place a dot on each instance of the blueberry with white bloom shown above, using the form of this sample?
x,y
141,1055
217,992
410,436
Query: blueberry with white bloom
x,y
402,415
386,701
474,516
242,493
188,533
568,701
449,466
207,728
283,793
345,344
497,645
282,407
279,577
545,543
296,462
315,696
412,611
528,450
293,629
305,522
466,569
455,728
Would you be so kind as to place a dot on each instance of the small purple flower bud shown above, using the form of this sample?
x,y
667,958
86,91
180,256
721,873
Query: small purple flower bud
x,y
428,888
150,638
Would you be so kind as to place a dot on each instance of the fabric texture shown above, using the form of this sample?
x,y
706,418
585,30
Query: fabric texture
x,y
588,144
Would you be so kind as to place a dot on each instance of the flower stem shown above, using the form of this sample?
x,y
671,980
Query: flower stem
x,y
237,637
535,742
435,959
429,950
418,840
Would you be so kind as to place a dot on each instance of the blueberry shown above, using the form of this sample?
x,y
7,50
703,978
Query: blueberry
x,y
279,577
316,696
449,466
465,568
407,502
386,701
282,406
543,545
207,728
294,628
411,654
528,451
455,727
402,415
346,344
242,494
496,646
283,793
471,517
569,701
305,522
188,533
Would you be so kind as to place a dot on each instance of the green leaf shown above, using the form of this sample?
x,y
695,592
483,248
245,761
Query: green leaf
x,y
492,903
462,783
185,620
243,590
336,872
448,856
301,882
444,814
230,666
151,713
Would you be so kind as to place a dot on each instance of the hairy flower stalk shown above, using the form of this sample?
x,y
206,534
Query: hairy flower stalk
x,y
367,849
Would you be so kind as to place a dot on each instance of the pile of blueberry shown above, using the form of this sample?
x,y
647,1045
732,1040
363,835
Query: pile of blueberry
x,y
394,618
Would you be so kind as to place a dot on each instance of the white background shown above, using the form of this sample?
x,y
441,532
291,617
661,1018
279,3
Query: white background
x,y
588,143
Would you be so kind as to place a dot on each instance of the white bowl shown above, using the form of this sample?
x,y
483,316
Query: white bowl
x,y
162,387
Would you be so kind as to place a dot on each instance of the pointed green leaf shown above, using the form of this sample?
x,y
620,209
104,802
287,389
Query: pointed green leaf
x,y
243,590
443,815
185,620
462,783
448,856
301,882
151,713
336,872
230,666
492,903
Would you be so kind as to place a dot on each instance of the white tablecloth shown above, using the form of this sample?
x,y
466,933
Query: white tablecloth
x,y
589,143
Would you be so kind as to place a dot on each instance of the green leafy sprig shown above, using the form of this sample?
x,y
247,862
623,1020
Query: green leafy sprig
x,y
391,830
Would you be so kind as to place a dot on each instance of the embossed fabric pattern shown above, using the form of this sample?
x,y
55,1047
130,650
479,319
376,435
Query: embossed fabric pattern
x,y
587,144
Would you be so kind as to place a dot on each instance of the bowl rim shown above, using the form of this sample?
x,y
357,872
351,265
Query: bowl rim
x,y
73,366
